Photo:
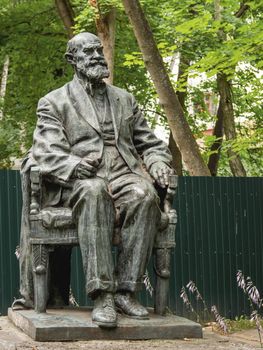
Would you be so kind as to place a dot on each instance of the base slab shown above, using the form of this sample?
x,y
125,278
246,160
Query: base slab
x,y
75,324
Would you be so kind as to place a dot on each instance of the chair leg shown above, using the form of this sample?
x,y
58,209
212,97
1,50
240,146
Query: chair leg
x,y
162,270
40,269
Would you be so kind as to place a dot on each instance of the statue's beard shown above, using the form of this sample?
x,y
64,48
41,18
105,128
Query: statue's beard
x,y
94,72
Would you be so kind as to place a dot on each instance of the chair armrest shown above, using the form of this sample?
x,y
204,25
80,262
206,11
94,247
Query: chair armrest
x,y
165,238
35,180
171,191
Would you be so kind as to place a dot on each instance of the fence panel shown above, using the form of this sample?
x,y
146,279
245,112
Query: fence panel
x,y
10,212
219,232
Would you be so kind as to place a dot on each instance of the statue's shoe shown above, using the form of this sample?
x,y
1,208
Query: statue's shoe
x,y
127,304
104,314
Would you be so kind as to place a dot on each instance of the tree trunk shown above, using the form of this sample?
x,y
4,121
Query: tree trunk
x,y
106,32
3,85
217,7
66,14
176,154
183,66
216,146
105,24
226,98
176,119
224,88
177,163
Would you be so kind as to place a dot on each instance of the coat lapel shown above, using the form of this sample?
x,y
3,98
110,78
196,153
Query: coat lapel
x,y
116,109
82,103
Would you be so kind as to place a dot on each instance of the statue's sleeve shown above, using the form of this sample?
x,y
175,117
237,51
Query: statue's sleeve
x,y
150,148
51,148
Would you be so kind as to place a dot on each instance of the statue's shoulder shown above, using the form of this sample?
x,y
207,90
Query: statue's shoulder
x,y
57,95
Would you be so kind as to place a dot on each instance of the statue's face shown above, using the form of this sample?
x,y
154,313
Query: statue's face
x,y
90,61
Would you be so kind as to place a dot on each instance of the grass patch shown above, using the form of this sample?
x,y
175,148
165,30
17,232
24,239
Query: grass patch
x,y
240,323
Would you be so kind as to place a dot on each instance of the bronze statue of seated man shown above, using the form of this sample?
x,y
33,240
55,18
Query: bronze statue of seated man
x,y
93,144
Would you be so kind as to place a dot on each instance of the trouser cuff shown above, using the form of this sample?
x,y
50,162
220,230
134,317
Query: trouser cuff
x,y
98,285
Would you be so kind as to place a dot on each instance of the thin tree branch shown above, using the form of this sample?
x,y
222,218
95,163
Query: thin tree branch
x,y
28,21
155,112
243,8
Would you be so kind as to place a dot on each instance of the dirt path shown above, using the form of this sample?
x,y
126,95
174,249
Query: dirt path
x,y
13,339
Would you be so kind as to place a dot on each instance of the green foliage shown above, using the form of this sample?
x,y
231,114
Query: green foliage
x,y
86,14
9,144
133,59
233,46
34,38
85,20
250,149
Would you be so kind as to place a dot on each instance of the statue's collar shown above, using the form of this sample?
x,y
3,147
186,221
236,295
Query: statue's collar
x,y
82,102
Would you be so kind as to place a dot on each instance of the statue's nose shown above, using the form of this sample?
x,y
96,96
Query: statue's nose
x,y
96,54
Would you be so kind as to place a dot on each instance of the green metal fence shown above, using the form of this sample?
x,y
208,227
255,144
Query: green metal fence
x,y
10,212
220,230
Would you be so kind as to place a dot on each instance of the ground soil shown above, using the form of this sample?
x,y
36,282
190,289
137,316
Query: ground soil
x,y
12,338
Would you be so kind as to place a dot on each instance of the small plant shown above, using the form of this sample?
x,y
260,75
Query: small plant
x,y
186,300
192,288
224,325
220,321
147,283
255,317
72,300
188,304
248,288
255,300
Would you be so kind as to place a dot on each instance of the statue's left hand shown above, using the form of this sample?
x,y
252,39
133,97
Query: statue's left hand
x,y
160,172
86,168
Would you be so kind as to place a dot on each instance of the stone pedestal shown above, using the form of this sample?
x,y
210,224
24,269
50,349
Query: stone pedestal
x,y
75,324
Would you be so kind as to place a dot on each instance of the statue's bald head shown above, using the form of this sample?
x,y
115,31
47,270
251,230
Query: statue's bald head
x,y
81,39
84,53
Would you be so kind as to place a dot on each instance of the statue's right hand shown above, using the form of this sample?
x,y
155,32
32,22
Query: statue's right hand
x,y
86,168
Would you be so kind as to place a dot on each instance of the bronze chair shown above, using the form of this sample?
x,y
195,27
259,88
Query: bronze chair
x,y
53,226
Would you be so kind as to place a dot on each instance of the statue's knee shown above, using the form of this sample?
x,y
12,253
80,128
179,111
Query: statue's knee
x,y
92,187
144,192
151,196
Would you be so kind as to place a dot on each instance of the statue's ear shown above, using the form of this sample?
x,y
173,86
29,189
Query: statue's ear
x,y
70,58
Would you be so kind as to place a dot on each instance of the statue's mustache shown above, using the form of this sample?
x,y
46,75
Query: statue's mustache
x,y
97,63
